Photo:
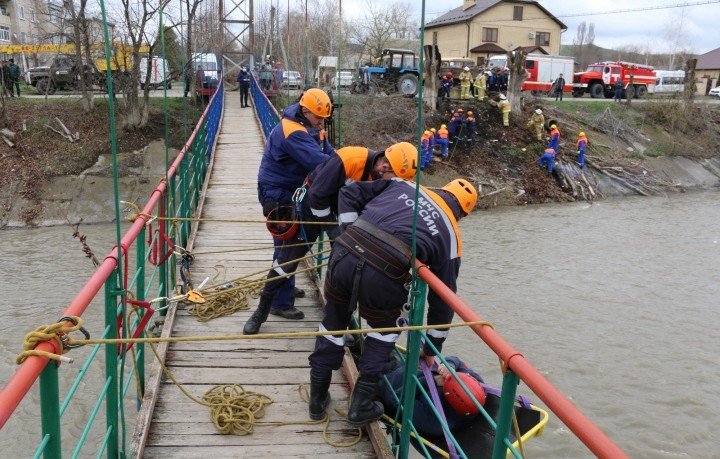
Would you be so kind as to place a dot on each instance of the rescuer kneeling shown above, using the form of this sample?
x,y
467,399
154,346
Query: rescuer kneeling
x,y
370,267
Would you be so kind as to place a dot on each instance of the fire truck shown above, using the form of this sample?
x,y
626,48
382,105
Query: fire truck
x,y
541,70
599,78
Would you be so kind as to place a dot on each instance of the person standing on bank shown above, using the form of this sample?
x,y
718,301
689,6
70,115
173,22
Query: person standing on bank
x,y
243,80
559,84
14,72
618,88
294,148
370,267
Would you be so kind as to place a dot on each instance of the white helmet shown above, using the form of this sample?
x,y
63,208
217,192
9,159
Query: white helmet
x,y
538,111
466,68
502,97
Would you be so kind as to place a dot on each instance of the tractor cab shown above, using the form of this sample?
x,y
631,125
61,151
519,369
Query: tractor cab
x,y
395,70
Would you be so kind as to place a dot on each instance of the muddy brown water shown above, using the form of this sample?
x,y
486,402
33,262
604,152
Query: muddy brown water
x,y
616,303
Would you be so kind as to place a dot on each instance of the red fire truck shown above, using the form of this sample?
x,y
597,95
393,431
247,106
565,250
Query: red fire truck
x,y
599,78
541,70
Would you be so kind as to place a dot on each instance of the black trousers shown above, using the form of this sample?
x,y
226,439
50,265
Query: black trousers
x,y
243,96
380,299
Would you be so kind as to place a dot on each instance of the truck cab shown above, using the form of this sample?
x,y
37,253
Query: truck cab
x,y
394,70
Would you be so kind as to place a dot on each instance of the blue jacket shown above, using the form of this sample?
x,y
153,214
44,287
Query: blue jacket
x,y
293,149
243,78
388,205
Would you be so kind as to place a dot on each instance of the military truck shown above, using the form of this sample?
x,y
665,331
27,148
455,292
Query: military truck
x,y
61,72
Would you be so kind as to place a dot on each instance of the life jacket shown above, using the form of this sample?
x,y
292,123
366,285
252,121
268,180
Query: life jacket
x,y
553,132
443,133
581,139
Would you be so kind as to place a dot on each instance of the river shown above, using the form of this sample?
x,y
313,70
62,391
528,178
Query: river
x,y
616,303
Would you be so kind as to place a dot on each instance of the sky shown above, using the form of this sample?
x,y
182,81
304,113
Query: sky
x,y
643,28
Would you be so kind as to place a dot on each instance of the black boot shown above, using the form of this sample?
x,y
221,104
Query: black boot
x,y
363,406
252,326
319,395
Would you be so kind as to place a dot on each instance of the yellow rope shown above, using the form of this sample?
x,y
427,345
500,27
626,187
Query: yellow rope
x,y
235,410
265,247
57,331
51,332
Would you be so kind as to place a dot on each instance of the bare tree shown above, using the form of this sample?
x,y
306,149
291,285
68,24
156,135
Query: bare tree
x,y
137,16
518,74
690,84
579,42
676,38
382,23
81,38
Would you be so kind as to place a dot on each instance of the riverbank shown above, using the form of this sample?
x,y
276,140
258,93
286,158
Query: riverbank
x,y
45,178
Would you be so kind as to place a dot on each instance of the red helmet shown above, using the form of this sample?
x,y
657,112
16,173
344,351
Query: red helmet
x,y
449,74
458,399
287,227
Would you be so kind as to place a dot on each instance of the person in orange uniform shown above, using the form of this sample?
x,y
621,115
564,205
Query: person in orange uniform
x,y
582,144
554,142
443,140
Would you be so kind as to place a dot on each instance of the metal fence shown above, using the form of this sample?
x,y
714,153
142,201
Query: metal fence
x,y
125,296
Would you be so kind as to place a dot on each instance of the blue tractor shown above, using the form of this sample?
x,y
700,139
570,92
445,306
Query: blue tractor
x,y
394,71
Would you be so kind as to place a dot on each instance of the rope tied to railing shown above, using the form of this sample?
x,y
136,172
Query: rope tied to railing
x,y
57,334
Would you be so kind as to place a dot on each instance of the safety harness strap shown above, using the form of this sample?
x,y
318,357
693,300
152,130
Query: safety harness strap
x,y
377,256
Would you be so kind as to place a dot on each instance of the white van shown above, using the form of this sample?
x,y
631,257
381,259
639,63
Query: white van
x,y
158,65
668,82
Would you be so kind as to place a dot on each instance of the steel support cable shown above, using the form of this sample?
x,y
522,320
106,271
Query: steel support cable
x,y
116,192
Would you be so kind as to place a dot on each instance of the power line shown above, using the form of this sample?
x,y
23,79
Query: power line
x,y
647,8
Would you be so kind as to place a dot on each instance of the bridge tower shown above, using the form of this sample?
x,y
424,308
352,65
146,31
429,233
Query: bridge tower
x,y
237,24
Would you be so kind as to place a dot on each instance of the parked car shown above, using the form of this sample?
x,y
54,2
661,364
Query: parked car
x,y
345,79
291,79
715,92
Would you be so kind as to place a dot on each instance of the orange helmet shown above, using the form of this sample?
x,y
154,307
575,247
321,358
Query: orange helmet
x,y
464,192
282,223
458,399
317,101
403,159
435,130
469,113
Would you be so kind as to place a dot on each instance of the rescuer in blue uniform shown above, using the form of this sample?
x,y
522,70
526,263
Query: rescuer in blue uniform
x,y
243,80
554,142
369,265
582,143
295,147
547,160
319,204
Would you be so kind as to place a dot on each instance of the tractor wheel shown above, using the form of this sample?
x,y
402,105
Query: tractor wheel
x,y
44,85
640,91
597,90
408,84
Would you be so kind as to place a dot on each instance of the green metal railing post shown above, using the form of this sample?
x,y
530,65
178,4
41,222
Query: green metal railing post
x,y
50,410
417,314
162,269
140,295
111,368
507,408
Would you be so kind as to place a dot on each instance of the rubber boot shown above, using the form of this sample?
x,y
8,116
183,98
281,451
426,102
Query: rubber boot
x,y
319,395
363,406
252,326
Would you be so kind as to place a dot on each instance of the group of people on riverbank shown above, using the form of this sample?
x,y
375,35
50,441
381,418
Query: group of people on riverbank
x,y
364,200
547,159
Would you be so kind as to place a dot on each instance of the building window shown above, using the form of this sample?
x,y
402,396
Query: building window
x,y
21,14
490,35
517,13
4,33
23,38
542,38
32,15
3,11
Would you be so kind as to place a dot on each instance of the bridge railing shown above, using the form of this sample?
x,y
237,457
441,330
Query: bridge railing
x,y
126,309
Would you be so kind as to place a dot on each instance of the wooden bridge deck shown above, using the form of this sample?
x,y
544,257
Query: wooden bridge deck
x,y
182,428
